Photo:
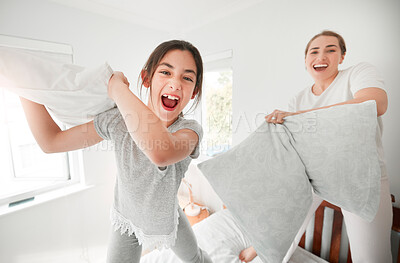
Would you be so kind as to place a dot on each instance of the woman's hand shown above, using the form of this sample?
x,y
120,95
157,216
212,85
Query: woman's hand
x,y
277,116
117,82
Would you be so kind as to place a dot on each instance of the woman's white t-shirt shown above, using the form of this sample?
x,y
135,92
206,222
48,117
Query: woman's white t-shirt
x,y
343,88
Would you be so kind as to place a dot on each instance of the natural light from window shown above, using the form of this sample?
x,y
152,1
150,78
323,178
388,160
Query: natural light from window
x,y
217,111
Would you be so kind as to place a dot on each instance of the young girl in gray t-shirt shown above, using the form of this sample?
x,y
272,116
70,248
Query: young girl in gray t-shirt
x,y
153,144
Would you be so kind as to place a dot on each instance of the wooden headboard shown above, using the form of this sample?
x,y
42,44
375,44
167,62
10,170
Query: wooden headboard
x,y
334,252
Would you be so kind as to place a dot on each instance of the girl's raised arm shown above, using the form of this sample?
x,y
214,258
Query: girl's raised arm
x,y
147,130
50,137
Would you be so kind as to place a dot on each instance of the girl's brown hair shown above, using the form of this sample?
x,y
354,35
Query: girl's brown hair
x,y
329,33
159,52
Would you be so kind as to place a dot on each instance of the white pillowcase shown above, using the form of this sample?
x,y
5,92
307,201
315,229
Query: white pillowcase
x,y
73,94
218,235
266,180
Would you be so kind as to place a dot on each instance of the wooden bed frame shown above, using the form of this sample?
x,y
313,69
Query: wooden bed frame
x,y
337,232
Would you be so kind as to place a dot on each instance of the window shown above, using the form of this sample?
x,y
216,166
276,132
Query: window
x,y
25,170
215,114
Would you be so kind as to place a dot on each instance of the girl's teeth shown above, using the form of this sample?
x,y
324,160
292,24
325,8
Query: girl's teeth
x,y
171,97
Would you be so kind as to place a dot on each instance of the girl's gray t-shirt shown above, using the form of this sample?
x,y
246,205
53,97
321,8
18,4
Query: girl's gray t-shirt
x,y
145,201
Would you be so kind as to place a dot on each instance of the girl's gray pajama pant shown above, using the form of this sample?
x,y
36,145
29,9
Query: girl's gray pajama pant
x,y
126,249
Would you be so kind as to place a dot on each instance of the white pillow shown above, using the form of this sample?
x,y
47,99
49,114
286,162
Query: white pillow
x,y
218,235
73,94
266,180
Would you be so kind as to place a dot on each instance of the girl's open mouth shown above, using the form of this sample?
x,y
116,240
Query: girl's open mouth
x,y
169,102
320,67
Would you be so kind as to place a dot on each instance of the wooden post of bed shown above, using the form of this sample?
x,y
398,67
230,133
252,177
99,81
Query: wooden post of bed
x,y
337,231
396,225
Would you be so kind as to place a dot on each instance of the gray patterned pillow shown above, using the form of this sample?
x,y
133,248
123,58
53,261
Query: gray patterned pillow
x,y
266,180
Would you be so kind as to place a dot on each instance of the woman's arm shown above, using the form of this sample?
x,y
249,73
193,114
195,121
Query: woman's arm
x,y
50,137
146,129
377,94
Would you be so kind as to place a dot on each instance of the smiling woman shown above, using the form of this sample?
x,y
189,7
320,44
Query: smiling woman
x,y
322,51
332,87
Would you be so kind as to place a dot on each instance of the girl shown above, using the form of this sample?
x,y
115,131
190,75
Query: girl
x,y
154,145
369,241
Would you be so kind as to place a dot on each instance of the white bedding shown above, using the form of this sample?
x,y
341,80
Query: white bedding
x,y
221,238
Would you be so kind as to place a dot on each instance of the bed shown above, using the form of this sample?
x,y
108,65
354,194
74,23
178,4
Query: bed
x,y
221,237
325,236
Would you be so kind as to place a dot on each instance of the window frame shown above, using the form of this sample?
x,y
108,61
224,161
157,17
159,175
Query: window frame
x,y
211,63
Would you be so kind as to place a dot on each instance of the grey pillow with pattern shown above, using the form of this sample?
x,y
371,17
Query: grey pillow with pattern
x,y
266,180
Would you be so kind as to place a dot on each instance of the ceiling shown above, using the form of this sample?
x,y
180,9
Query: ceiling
x,y
174,16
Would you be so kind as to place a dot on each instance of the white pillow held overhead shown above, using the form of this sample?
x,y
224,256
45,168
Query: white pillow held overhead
x,y
73,94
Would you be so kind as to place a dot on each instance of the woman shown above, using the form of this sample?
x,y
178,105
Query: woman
x,y
369,241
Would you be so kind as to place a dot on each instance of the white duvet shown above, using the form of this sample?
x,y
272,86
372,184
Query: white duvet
x,y
221,238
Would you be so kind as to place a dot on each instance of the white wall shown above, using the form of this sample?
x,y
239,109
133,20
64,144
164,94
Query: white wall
x,y
268,42
74,228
